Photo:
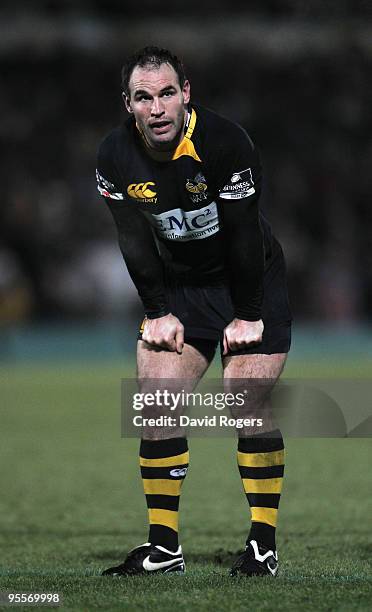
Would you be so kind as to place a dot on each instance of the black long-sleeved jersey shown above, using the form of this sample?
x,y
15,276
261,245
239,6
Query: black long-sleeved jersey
x,y
194,214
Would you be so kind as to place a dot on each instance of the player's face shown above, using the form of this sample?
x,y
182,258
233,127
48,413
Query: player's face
x,y
158,104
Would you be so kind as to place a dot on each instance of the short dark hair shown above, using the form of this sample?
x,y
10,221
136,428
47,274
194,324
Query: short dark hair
x,y
153,57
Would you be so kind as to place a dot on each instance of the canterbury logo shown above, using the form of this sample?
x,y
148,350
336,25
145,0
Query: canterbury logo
x,y
141,191
177,473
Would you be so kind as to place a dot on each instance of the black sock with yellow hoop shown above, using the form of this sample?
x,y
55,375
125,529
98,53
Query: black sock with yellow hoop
x,y
261,467
164,466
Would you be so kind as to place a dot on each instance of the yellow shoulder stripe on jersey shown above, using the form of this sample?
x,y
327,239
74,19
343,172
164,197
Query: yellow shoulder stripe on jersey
x,y
186,146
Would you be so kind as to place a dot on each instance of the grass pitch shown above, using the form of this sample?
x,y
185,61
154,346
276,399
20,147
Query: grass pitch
x,y
72,503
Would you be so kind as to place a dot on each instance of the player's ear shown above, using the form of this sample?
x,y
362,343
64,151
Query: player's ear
x,y
186,92
126,101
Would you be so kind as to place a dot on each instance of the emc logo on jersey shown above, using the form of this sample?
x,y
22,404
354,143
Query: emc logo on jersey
x,y
142,191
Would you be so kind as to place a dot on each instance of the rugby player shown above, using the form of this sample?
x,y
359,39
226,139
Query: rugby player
x,y
183,185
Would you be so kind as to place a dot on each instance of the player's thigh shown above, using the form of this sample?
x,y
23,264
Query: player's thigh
x,y
255,366
156,363
160,372
253,377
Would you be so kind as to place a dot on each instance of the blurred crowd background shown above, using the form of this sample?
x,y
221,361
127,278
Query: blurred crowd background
x,y
295,74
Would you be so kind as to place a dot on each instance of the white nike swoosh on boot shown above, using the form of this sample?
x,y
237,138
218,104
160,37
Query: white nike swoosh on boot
x,y
149,566
258,556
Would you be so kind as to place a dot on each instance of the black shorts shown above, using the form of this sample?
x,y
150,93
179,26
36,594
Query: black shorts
x,y
205,311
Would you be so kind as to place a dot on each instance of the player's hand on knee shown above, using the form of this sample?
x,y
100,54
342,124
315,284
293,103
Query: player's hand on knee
x,y
165,332
240,334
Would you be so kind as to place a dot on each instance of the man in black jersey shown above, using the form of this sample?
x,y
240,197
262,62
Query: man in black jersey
x,y
183,185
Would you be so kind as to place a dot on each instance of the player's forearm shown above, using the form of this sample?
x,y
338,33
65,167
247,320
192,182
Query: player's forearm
x,y
141,256
246,281
245,259
153,298
146,271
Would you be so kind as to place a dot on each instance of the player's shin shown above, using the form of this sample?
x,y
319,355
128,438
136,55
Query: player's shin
x,y
164,466
261,467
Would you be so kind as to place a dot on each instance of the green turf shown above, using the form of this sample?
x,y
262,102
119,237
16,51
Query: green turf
x,y
71,504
